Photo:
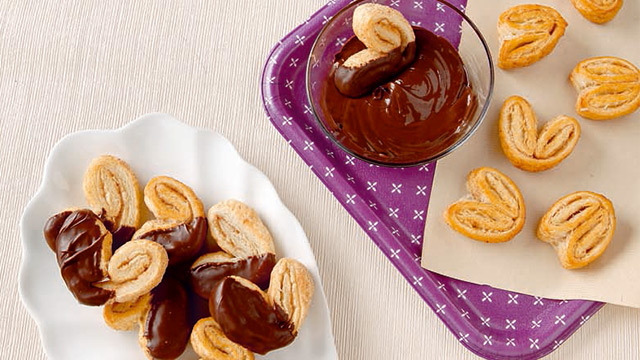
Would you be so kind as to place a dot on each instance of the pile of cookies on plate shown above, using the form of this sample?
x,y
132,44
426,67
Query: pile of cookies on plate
x,y
226,293
580,225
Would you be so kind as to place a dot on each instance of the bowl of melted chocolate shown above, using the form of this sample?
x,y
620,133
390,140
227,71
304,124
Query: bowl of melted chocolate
x,y
393,93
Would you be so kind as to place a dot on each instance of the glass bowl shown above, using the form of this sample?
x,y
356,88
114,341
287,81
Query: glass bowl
x,y
439,17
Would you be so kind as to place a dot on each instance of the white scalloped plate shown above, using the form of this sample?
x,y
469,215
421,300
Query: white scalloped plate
x,y
155,144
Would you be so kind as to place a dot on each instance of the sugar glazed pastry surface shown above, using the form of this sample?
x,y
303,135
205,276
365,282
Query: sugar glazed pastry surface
x,y
598,11
608,87
527,33
494,211
579,226
528,149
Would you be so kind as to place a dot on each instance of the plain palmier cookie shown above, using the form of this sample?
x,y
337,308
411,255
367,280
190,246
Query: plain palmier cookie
x,y
528,149
125,316
135,268
210,343
608,87
494,211
598,11
579,226
238,230
527,33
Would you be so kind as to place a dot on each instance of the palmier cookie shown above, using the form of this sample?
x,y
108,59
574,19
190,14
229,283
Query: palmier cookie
x,y
112,191
209,269
134,269
524,146
579,226
210,343
381,28
125,316
598,11
494,212
83,249
238,230
275,316
390,48
180,225
608,87
527,33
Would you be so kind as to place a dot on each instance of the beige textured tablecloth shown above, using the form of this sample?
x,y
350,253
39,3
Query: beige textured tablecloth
x,y
69,65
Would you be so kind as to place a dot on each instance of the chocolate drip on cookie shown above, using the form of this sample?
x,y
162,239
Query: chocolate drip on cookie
x,y
248,318
77,239
182,241
257,269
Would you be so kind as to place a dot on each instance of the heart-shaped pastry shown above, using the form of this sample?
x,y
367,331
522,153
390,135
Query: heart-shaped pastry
x,y
524,146
260,321
238,230
390,47
112,191
83,249
209,269
494,212
527,33
180,225
608,87
598,11
579,226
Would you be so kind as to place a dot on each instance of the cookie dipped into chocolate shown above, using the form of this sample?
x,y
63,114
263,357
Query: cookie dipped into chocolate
x,y
165,328
248,318
413,116
366,69
83,247
210,269
182,240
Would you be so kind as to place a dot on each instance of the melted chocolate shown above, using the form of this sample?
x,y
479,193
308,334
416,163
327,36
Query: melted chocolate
x,y
256,269
248,319
359,81
167,327
182,241
119,234
418,114
77,240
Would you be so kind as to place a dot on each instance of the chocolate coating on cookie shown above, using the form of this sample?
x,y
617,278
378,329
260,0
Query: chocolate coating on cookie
x,y
182,241
355,82
257,269
166,327
77,239
248,318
